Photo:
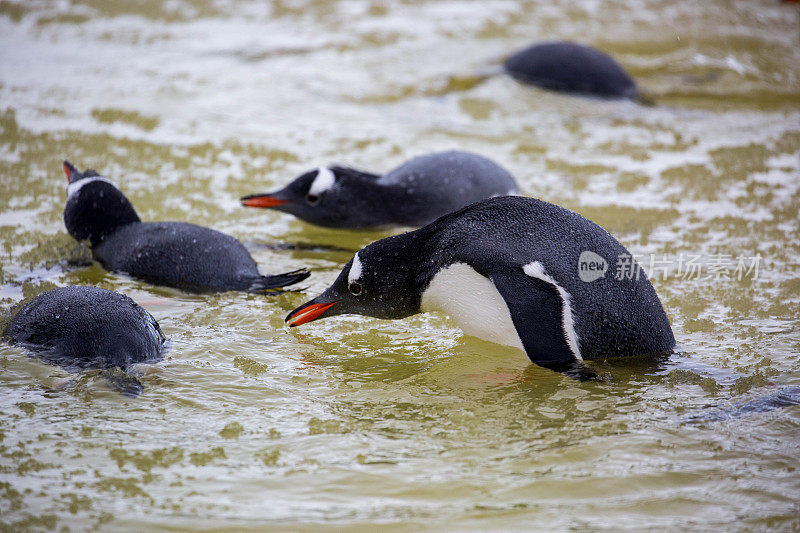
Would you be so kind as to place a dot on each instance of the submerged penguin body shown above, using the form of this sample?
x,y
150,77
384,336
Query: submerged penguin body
x,y
414,194
175,254
86,327
507,270
571,68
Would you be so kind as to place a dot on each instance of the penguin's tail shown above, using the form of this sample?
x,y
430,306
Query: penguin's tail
x,y
644,99
266,283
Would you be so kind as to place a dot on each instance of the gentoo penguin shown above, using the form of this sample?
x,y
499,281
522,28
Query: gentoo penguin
x,y
86,327
414,194
571,68
511,270
176,254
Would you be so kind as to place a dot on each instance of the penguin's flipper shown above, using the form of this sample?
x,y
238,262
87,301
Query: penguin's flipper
x,y
122,382
537,311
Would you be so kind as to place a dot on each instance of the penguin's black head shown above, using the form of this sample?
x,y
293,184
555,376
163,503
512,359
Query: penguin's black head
x,y
95,206
336,197
380,281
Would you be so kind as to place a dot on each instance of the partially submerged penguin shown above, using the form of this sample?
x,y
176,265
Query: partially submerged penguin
x,y
571,68
414,194
509,270
176,254
86,327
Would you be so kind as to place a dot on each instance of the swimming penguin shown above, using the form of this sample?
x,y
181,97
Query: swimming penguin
x,y
176,254
571,68
86,327
414,194
511,270
784,397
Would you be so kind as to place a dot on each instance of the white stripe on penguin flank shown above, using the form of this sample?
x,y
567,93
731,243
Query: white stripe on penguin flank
x,y
324,181
536,270
76,186
355,269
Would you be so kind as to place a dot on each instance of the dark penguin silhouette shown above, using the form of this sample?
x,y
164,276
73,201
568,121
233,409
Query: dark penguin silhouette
x,y
86,327
176,254
571,68
785,397
511,270
414,194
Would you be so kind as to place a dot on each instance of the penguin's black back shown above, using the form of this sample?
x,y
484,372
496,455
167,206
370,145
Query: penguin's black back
x,y
181,255
571,68
175,254
87,327
613,317
433,184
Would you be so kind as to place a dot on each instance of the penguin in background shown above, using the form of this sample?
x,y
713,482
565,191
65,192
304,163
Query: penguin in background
x,y
508,270
176,254
572,68
413,194
560,66
81,328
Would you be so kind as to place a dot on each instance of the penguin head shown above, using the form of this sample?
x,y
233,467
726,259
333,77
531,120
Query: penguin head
x,y
95,206
328,196
381,281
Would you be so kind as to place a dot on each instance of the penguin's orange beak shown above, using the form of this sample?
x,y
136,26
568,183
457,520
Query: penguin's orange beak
x,y
68,170
307,312
262,200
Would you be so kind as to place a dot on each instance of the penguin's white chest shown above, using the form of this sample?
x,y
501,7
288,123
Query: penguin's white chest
x,y
473,302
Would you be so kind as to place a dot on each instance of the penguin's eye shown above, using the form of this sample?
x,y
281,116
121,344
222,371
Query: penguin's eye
x,y
312,199
355,288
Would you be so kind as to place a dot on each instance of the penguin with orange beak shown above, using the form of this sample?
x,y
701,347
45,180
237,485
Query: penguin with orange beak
x,y
508,270
177,254
414,194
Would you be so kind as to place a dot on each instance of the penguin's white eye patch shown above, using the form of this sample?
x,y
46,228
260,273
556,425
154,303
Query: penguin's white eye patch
x,y
325,180
355,270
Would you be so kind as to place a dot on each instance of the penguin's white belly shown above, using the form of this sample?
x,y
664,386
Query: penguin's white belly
x,y
473,302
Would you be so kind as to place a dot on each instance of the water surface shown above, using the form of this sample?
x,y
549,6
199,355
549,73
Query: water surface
x,y
354,421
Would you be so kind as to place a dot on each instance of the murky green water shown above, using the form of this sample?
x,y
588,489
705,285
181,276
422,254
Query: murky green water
x,y
356,421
